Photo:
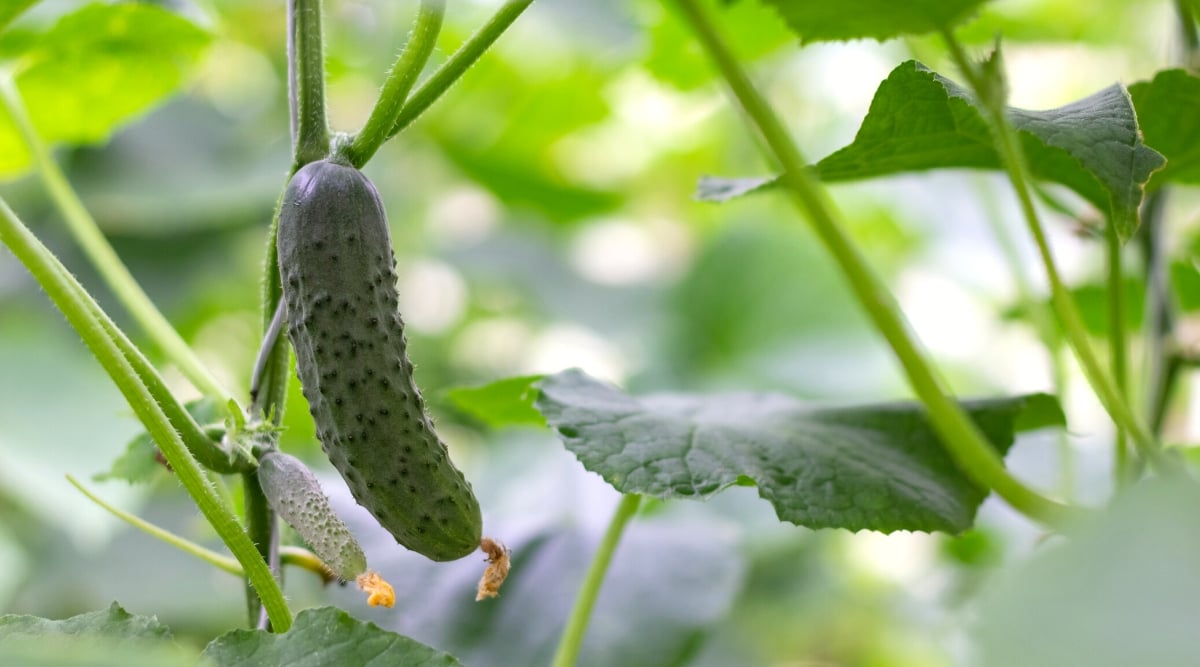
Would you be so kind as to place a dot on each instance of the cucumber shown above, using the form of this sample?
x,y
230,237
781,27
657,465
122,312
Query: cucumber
x,y
296,496
339,285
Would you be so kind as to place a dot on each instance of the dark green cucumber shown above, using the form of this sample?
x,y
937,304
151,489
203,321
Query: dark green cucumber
x,y
339,284
295,494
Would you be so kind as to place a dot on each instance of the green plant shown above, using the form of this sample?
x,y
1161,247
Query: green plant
x,y
922,465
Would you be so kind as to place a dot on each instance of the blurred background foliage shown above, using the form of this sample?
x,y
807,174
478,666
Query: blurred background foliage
x,y
542,218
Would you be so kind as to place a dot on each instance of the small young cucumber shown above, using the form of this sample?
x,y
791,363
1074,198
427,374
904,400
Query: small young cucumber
x,y
296,496
339,284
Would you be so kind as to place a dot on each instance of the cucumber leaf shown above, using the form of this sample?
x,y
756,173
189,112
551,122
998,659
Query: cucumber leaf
x,y
109,638
1166,111
504,402
141,462
872,467
11,9
95,70
873,19
324,636
920,120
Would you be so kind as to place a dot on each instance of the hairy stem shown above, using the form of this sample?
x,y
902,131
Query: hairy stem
x,y
1117,347
261,527
306,79
961,437
453,69
89,237
66,293
399,82
581,613
1012,157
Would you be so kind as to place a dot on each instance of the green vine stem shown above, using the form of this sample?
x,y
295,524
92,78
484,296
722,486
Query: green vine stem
x,y
581,613
1043,324
306,78
83,227
962,438
1117,346
67,295
458,63
1012,157
399,82
262,530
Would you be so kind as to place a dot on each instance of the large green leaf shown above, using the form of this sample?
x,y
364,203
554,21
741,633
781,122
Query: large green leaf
x,y
1168,111
324,637
874,19
875,467
97,68
920,120
109,638
1120,591
501,403
113,622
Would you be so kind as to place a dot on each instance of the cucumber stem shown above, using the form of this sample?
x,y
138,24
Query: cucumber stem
x,y
581,613
399,82
961,437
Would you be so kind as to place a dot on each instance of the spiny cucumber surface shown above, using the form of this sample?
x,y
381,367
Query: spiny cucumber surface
x,y
339,284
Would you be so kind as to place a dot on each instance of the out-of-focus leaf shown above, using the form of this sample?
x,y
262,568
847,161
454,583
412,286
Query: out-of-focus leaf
x,y
1115,593
11,9
1092,301
675,57
113,622
139,462
876,467
507,402
97,68
920,120
1166,108
324,636
873,19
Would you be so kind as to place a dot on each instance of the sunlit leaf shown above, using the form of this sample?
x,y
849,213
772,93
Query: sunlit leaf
x,y
920,120
874,19
324,636
11,9
502,403
874,467
1166,111
96,69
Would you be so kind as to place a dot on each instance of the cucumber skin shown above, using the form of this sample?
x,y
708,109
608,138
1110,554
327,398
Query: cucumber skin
x,y
295,494
339,284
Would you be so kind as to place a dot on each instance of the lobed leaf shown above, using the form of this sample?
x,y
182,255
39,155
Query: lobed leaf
x,y
920,120
871,19
324,636
1166,112
872,467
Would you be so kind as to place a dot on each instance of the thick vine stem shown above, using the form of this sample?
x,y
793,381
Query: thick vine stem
x,y
399,82
581,613
458,63
1012,157
306,78
66,294
961,437
87,233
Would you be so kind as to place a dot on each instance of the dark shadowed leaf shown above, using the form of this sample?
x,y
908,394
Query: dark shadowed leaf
x,y
873,19
920,120
874,467
99,67
324,637
1166,111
